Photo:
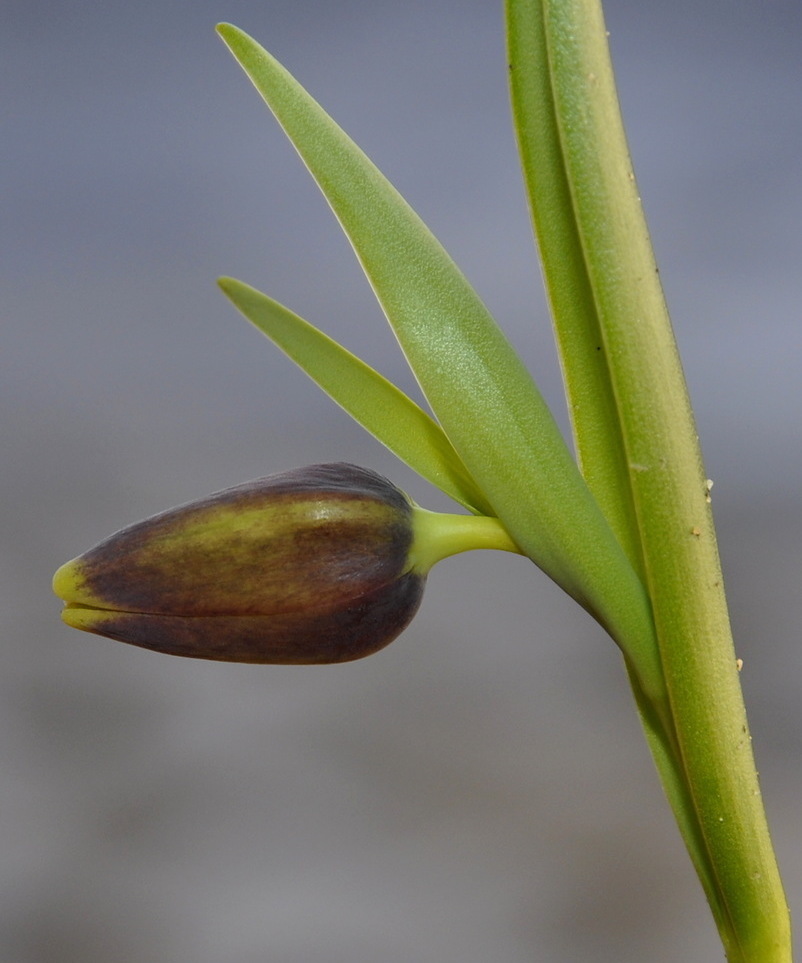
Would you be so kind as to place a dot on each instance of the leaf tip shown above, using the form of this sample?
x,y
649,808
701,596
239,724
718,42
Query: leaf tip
x,y
234,38
231,287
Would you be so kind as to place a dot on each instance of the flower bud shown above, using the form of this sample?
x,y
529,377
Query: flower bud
x,y
320,564
311,565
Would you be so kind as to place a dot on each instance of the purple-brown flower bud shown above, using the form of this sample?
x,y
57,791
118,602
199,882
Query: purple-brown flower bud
x,y
308,566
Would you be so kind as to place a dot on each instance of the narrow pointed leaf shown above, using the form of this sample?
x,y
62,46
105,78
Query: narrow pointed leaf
x,y
476,384
373,401
588,386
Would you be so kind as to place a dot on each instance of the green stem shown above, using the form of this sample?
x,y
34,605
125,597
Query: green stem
x,y
640,453
438,536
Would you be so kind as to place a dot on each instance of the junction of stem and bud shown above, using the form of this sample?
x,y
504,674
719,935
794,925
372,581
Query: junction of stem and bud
x,y
317,565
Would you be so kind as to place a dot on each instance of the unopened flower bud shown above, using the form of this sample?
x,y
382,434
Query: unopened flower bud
x,y
320,564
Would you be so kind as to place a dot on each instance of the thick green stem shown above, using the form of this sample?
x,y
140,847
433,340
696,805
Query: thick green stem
x,y
639,451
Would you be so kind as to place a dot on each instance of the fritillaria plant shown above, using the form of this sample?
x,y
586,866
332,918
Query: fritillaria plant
x,y
328,563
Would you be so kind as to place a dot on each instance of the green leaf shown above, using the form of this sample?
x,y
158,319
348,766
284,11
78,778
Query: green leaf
x,y
373,401
477,386
577,328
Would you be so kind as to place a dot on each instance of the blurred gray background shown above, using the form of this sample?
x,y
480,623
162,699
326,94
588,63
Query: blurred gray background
x,y
480,790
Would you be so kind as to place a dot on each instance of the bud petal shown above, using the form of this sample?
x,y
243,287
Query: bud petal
x,y
308,566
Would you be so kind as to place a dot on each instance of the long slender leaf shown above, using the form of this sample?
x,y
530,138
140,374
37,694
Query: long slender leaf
x,y
373,401
477,386
589,389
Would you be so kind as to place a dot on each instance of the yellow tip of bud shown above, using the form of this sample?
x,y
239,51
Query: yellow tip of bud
x,y
67,580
